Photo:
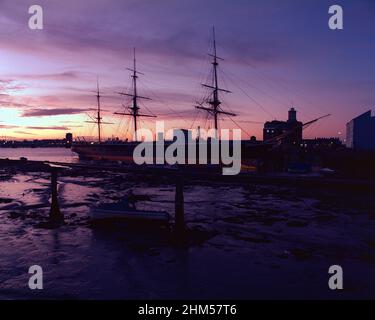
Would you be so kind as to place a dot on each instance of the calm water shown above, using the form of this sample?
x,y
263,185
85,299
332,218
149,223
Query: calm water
x,y
40,154
246,241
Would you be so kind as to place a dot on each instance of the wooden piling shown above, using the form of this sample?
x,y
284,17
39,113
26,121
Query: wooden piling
x,y
55,215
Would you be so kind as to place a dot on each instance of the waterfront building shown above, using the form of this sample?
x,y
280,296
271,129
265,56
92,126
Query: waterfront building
x,y
360,132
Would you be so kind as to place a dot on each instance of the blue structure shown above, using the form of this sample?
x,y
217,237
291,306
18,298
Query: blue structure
x,y
360,132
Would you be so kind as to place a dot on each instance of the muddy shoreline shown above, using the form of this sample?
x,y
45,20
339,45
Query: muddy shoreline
x,y
245,240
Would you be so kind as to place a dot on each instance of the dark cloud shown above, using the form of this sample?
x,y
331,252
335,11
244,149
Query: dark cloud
x,y
169,29
6,126
68,75
25,133
48,128
52,112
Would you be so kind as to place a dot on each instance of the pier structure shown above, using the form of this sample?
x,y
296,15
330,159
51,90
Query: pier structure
x,y
55,216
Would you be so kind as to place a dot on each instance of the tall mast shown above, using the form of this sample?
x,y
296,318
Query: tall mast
x,y
98,118
134,109
215,103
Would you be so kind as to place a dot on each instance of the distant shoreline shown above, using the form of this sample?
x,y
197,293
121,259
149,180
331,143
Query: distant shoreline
x,y
33,147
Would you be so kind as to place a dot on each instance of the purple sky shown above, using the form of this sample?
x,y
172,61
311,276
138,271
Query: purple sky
x,y
277,53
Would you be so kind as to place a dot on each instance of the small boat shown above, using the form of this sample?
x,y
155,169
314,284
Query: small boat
x,y
122,210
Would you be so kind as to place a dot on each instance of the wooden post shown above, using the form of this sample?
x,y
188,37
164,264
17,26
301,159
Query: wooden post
x,y
179,207
55,215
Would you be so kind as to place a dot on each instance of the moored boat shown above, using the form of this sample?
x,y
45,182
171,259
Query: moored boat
x,y
124,211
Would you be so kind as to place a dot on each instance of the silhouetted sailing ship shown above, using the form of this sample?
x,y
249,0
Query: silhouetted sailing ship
x,y
114,150
122,151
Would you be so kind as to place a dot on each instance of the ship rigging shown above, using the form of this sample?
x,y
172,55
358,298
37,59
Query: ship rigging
x,y
98,120
133,110
213,101
211,104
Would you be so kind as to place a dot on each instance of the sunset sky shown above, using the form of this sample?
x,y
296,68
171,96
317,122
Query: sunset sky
x,y
278,53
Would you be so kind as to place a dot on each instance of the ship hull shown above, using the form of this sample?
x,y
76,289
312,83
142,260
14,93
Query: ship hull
x,y
123,152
